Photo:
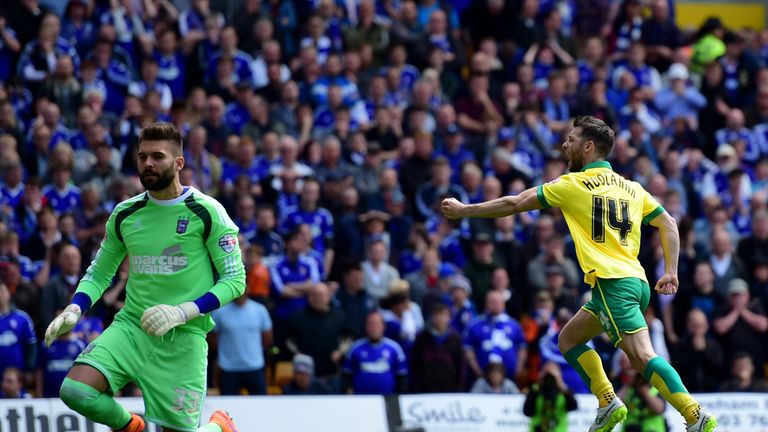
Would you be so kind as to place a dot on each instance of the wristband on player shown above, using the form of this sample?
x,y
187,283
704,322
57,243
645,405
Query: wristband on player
x,y
81,299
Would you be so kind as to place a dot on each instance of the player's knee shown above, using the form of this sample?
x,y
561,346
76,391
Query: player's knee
x,y
564,344
77,395
640,358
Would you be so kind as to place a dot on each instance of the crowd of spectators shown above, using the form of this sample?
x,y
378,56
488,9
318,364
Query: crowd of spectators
x,y
330,131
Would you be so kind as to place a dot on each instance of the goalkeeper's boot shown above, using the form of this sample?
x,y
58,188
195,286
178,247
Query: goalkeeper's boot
x,y
222,418
609,416
706,423
135,425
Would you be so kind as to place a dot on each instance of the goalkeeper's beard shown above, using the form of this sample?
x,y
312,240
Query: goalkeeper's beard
x,y
160,180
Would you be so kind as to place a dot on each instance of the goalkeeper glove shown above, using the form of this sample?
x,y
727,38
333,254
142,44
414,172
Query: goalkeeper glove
x,y
159,320
62,323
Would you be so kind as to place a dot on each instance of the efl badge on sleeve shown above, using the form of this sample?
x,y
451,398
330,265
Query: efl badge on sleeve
x,y
181,225
228,243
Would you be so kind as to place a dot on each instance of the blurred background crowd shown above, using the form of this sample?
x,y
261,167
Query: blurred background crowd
x,y
330,130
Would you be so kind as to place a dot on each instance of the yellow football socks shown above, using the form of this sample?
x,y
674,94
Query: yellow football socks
x,y
587,363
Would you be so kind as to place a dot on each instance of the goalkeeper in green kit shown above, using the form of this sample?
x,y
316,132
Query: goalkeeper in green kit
x,y
185,261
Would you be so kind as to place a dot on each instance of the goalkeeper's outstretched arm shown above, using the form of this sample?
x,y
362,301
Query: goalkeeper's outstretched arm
x,y
97,279
500,207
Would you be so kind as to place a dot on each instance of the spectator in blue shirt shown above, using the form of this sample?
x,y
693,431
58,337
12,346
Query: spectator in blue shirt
x,y
375,364
12,386
292,276
171,64
679,99
228,48
9,48
319,219
62,195
495,336
18,344
265,235
55,361
244,332
150,82
116,74
246,217
429,194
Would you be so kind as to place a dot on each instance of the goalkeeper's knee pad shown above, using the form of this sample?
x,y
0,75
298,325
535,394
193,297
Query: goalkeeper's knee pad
x,y
78,396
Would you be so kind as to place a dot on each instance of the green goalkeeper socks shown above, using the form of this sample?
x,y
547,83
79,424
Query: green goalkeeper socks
x,y
210,427
93,404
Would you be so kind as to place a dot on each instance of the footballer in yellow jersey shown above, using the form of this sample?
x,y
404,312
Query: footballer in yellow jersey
x,y
604,213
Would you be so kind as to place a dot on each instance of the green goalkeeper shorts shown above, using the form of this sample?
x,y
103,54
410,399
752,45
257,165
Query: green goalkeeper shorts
x,y
619,305
170,370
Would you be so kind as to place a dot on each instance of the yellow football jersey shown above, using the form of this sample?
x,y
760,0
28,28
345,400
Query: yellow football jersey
x,y
604,212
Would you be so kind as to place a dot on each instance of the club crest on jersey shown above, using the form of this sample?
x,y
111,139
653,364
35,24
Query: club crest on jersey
x,y
181,225
228,243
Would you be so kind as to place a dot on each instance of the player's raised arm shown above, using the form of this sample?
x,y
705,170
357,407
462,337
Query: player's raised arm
x,y
97,277
670,244
525,201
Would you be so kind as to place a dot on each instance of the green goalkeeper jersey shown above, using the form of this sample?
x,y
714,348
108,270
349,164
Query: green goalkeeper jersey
x,y
178,250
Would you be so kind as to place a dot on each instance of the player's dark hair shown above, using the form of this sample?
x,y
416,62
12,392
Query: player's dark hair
x,y
162,131
595,130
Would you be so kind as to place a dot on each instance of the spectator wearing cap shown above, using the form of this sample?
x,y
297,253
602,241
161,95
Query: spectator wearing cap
x,y
743,375
375,364
679,98
321,331
741,322
480,266
304,381
699,355
428,195
378,274
18,345
437,357
461,308
494,336
374,223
